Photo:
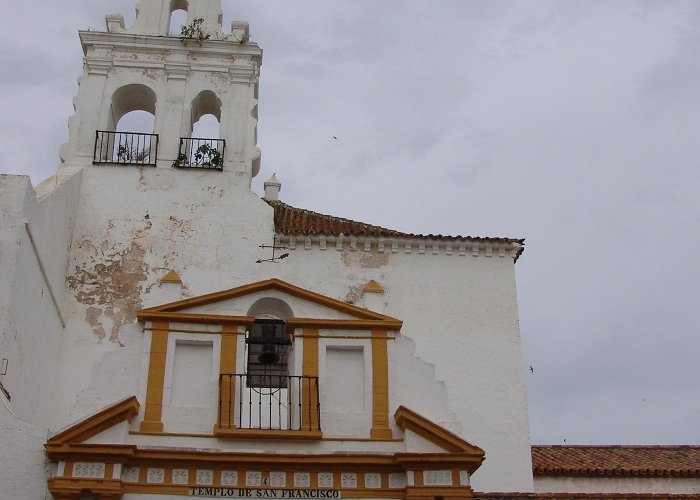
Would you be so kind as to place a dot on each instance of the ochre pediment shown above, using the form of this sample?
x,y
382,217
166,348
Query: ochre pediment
x,y
202,308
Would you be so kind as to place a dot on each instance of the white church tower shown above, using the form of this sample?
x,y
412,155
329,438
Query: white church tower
x,y
198,71
157,347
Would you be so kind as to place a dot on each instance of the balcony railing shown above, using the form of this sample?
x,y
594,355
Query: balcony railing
x,y
125,148
201,153
269,403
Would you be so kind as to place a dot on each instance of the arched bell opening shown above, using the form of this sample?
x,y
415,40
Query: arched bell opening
x,y
203,148
178,17
129,138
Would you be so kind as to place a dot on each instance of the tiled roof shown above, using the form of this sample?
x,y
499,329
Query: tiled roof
x,y
585,496
638,460
291,220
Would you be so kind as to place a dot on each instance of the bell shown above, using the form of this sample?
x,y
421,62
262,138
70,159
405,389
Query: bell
x,y
269,355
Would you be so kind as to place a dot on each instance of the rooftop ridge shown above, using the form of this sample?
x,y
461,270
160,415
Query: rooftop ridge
x,y
292,220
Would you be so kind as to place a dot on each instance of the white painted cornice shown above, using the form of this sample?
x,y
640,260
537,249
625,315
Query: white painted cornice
x,y
164,44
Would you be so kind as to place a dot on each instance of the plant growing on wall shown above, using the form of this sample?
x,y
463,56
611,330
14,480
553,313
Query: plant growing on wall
x,y
204,156
194,31
207,156
129,154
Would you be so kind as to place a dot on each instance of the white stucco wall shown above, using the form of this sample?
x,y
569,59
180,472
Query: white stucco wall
x,y
23,460
461,313
35,239
34,244
671,485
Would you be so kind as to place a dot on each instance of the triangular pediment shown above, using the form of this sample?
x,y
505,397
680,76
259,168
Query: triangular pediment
x,y
121,411
233,303
410,421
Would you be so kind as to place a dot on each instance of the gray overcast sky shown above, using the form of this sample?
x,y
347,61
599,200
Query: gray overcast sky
x,y
572,124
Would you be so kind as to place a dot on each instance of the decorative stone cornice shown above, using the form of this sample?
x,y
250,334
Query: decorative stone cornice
x,y
438,246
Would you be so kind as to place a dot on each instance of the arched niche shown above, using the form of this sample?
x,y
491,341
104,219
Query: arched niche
x,y
270,308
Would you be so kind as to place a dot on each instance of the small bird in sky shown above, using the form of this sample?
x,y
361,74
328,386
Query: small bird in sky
x,y
565,440
532,369
334,137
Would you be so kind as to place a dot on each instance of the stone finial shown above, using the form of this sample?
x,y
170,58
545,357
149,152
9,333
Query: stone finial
x,y
240,31
171,277
170,287
272,188
373,296
115,23
372,287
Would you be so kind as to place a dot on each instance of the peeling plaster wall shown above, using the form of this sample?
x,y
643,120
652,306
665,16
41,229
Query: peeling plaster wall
x,y
133,226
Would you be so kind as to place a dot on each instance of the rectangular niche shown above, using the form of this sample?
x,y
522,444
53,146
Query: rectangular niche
x,y
192,369
345,379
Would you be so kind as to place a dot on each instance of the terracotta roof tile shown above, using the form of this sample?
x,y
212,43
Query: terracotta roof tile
x,y
291,220
637,460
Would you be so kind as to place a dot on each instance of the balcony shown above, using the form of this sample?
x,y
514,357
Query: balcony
x,y
201,153
268,406
125,148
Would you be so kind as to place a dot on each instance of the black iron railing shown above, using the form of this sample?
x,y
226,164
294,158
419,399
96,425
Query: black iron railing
x,y
125,148
201,153
269,402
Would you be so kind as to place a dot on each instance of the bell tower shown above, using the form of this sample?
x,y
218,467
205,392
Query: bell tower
x,y
177,79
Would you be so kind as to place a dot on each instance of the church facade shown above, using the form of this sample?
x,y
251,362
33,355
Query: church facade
x,y
168,333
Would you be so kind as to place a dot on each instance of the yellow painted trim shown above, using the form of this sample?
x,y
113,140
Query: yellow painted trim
x,y
183,490
64,488
432,492
455,477
187,330
373,287
309,368
171,277
70,452
425,461
227,366
100,421
274,284
109,470
292,323
152,419
178,317
380,387
418,478
227,432
263,433
352,337
174,434
345,324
